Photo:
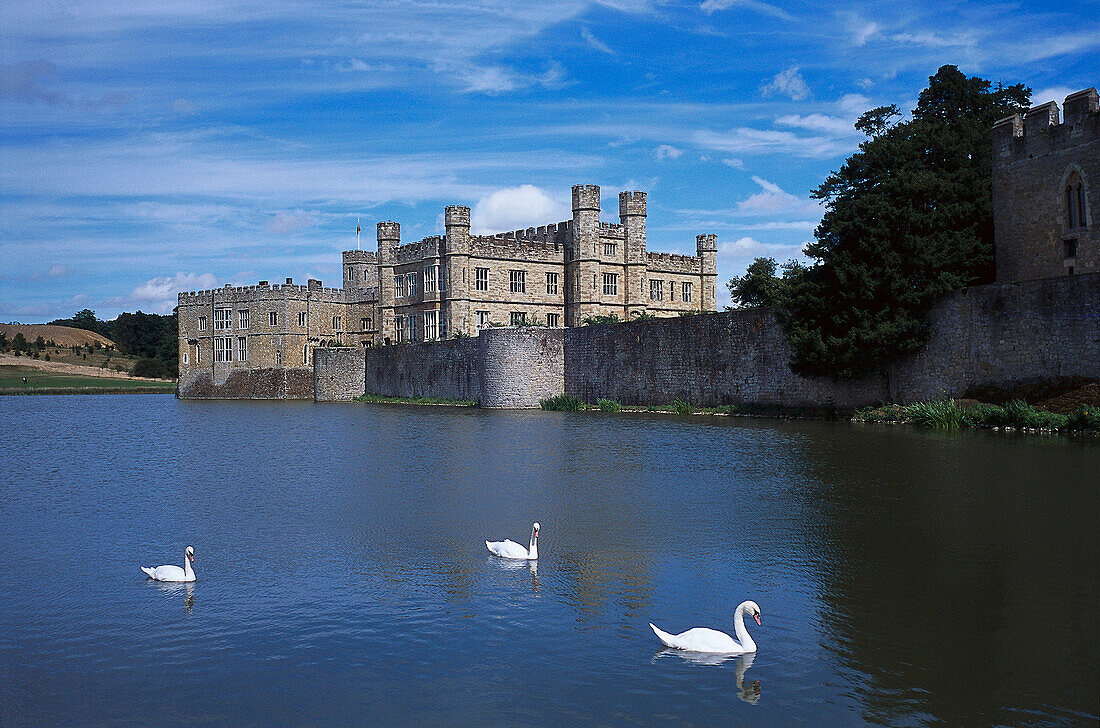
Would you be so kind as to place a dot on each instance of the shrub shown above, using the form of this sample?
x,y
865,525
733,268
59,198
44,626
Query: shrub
x,y
608,405
603,319
562,403
151,368
885,413
1084,418
938,414
681,406
1019,413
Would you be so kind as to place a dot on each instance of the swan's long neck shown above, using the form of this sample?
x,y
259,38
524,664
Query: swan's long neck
x,y
533,549
743,635
187,571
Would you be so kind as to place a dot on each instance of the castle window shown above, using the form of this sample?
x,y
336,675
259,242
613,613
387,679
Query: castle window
x,y
302,319
223,319
305,354
1069,249
519,318
337,323
198,354
1075,203
553,320
278,358
364,324
223,349
1071,208
517,281
656,290
412,284
481,279
431,325
410,327
273,318
202,323
242,319
400,286
242,348
551,284
399,328
431,279
609,249
185,358
685,290
610,284
482,320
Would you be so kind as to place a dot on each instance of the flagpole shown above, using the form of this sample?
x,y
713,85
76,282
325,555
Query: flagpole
x,y
357,233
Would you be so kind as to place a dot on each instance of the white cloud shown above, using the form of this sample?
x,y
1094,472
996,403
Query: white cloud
x,y
57,271
287,222
160,295
184,107
819,123
742,248
772,200
733,162
710,6
1054,93
514,208
744,140
596,42
789,83
863,31
667,151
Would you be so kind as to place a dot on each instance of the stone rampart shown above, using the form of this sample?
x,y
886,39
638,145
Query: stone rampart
x,y
449,369
338,373
281,383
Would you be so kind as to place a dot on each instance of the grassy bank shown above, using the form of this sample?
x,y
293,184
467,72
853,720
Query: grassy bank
x,y
382,399
943,414
40,381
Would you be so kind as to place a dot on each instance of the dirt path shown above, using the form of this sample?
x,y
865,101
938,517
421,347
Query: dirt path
x,y
62,368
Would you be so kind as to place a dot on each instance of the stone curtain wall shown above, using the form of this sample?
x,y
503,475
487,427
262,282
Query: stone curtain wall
x,y
448,369
726,358
996,335
338,373
1004,334
292,383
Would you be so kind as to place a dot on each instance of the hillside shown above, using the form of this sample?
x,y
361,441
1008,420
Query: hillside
x,y
63,336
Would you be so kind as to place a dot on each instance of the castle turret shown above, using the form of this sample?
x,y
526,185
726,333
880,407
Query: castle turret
x,y
389,237
455,272
582,299
706,247
632,216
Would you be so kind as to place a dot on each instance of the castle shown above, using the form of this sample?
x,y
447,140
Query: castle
x,y
461,303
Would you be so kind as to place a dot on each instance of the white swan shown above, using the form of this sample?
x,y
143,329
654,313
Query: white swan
x,y
171,572
702,639
509,549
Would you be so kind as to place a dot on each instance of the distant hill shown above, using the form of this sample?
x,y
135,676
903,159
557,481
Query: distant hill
x,y
63,336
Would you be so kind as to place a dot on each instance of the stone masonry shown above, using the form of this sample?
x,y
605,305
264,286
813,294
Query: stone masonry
x,y
1046,190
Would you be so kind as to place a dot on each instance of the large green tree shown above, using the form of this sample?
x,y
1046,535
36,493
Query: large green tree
x,y
760,286
909,219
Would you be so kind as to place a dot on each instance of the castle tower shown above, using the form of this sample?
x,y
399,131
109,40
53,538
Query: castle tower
x,y
582,273
389,237
706,247
455,270
632,215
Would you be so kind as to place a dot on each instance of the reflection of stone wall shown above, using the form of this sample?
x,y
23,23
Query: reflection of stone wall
x,y
295,383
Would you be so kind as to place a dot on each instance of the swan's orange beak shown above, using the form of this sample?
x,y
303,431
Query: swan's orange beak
x,y
193,560
757,618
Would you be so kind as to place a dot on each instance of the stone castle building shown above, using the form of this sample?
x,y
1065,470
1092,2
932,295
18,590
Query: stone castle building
x,y
1046,189
449,286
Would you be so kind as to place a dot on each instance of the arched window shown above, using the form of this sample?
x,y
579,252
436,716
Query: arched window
x,y
1074,202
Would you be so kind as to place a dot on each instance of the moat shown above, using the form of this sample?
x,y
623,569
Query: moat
x,y
906,578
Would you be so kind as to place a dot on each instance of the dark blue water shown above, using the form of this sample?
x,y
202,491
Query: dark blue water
x,y
905,578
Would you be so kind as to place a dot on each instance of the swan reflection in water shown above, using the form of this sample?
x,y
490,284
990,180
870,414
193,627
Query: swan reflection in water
x,y
185,589
749,693
519,565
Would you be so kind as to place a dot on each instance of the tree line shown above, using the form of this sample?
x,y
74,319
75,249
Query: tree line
x,y
908,221
153,338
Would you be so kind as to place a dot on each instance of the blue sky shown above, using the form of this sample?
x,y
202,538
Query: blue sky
x,y
147,148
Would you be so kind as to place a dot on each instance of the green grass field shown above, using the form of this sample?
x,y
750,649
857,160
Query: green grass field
x,y
40,381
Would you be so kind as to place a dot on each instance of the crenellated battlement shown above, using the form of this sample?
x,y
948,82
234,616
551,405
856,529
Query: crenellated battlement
x,y
360,256
674,263
1042,130
262,291
428,247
